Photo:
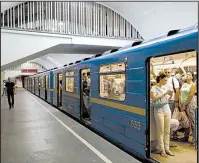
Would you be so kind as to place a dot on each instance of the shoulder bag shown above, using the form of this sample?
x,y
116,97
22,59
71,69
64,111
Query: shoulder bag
x,y
161,101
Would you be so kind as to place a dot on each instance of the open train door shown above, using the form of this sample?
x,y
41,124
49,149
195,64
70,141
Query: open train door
x,y
59,90
39,85
45,86
85,107
183,125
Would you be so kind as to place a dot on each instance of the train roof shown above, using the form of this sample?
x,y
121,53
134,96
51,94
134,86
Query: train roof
x,y
163,37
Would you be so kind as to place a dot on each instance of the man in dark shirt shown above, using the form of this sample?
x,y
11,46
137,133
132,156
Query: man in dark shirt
x,y
10,92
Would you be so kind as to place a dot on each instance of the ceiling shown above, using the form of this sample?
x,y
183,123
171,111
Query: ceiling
x,y
7,5
73,52
154,18
149,18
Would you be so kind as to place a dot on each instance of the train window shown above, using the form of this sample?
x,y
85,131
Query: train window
x,y
105,68
42,82
118,67
54,84
112,86
47,81
112,67
33,82
70,84
71,73
67,74
70,81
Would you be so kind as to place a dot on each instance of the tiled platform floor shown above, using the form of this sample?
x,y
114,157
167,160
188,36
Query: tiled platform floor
x,y
29,134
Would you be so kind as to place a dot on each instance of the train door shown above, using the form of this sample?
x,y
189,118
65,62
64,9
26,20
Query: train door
x,y
39,85
45,86
33,85
28,84
85,82
59,90
173,137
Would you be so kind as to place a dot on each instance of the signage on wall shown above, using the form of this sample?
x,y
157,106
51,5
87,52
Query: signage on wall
x,y
29,70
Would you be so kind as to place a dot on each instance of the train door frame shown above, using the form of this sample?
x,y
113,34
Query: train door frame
x,y
33,84
59,94
57,86
45,87
39,86
30,84
148,117
148,126
81,96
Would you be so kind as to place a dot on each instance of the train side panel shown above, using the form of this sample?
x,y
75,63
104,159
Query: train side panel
x,y
71,100
42,87
37,85
49,87
124,122
55,88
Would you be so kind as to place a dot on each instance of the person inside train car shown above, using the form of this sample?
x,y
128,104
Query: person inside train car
x,y
196,86
183,124
39,84
162,114
85,96
84,78
188,103
152,72
180,75
88,91
88,79
60,85
10,92
174,124
173,85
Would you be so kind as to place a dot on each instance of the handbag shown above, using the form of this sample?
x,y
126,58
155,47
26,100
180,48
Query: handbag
x,y
175,114
160,102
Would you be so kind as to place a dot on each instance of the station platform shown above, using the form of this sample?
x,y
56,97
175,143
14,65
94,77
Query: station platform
x,y
35,132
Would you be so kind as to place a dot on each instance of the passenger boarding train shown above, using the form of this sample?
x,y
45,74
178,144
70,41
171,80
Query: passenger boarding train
x,y
117,101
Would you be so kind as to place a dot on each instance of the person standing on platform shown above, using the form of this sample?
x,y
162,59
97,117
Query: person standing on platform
x,y
10,92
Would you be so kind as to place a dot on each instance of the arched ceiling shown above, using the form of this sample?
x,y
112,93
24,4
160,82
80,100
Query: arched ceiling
x,y
149,18
6,5
154,18
58,60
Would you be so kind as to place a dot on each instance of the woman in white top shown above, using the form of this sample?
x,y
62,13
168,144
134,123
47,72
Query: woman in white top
x,y
160,96
188,103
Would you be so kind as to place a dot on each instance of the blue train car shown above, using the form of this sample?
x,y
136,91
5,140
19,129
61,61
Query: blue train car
x,y
46,84
49,87
25,83
71,92
57,90
37,87
117,101
124,119
29,83
32,85
42,86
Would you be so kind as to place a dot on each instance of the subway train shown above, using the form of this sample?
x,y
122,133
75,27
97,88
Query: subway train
x,y
116,103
